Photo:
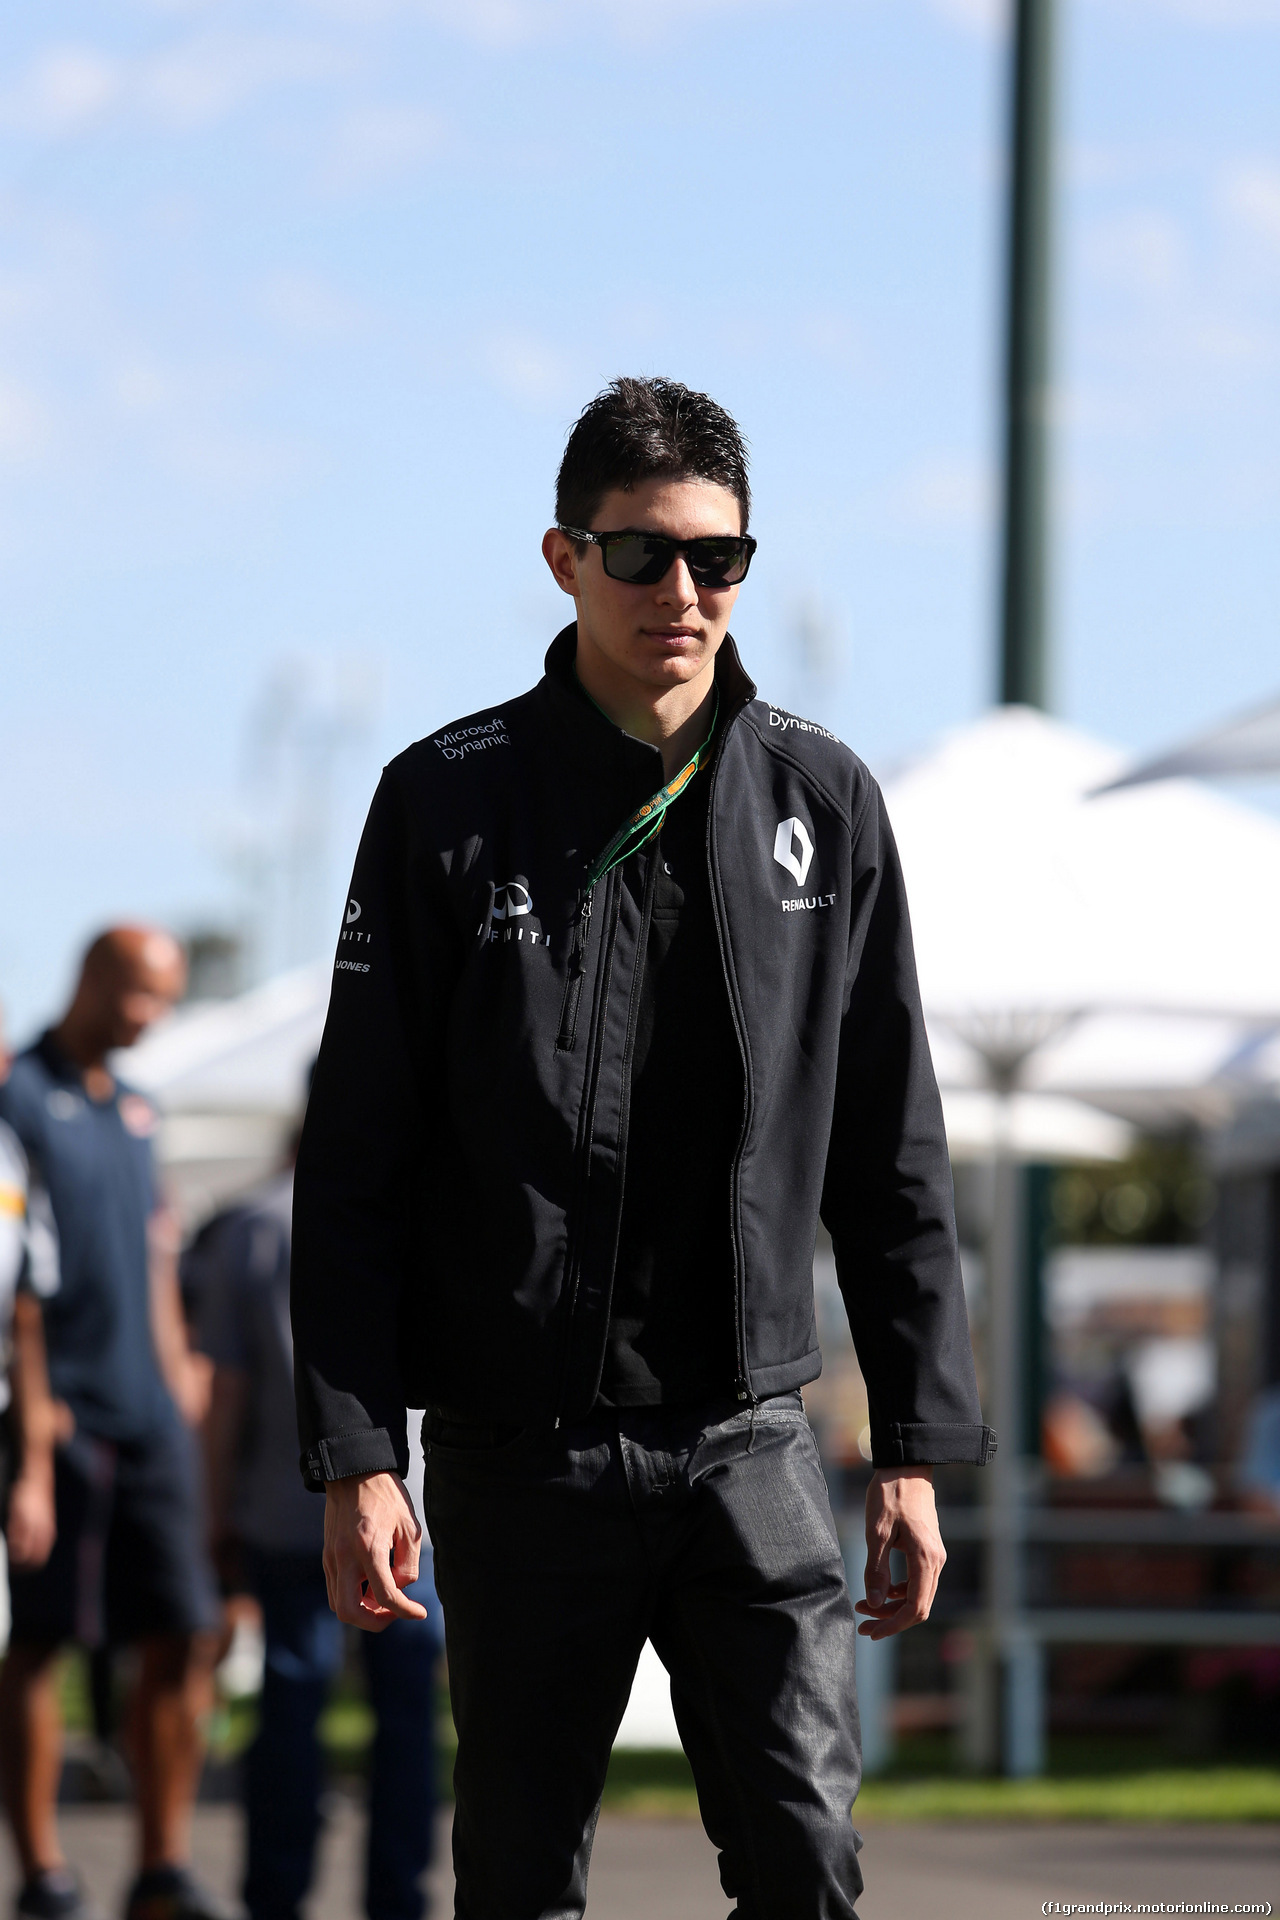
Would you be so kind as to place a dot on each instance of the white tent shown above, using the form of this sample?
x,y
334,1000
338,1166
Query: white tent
x,y
1248,744
248,1054
1034,903
1035,1126
229,1077
1155,1071
1114,948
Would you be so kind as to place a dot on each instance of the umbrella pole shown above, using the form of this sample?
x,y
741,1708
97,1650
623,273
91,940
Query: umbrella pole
x,y
1008,1705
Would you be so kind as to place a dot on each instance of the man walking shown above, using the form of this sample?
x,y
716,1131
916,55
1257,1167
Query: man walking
x,y
128,1561
268,1538
624,1001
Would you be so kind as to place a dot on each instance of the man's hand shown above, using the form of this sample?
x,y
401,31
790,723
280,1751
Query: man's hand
x,y
901,1513
371,1536
32,1525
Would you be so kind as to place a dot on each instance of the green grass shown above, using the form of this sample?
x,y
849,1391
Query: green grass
x,y
1172,1794
1118,1779
1088,1780
652,1784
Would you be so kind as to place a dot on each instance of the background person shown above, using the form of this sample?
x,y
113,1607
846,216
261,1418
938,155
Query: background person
x,y
128,1563
1258,1471
268,1535
31,1420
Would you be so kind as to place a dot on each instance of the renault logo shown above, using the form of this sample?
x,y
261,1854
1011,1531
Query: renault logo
x,y
793,849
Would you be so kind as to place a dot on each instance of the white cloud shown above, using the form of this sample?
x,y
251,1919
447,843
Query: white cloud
x,y
835,339
201,83
495,23
949,493
977,16
995,16
25,427
1220,13
309,307
139,384
376,143
530,370
506,24
192,85
1141,252
1251,195
63,89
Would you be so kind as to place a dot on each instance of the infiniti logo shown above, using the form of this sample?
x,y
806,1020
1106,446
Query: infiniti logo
x,y
511,900
793,849
513,905
350,932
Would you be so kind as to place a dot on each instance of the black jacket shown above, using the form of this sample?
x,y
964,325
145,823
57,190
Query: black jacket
x,y
461,1172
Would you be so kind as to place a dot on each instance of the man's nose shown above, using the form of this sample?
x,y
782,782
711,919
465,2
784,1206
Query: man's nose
x,y
677,587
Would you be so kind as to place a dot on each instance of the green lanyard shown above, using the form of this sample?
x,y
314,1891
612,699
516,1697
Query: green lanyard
x,y
646,820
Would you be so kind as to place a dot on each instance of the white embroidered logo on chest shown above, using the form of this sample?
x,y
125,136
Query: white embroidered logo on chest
x,y
793,849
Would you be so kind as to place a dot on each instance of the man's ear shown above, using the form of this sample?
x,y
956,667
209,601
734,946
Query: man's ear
x,y
561,556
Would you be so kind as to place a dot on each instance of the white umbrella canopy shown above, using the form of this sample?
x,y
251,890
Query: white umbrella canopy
x,y
1030,1126
1154,1070
1248,744
1034,903
250,1054
229,1077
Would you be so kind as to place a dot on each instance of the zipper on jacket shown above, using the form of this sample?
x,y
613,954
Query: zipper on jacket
x,y
742,1385
628,1056
573,1264
577,971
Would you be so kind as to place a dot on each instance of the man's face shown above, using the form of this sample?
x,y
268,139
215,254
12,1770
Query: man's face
x,y
139,989
665,634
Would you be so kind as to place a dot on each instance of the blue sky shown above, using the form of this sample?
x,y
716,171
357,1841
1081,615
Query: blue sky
x,y
298,299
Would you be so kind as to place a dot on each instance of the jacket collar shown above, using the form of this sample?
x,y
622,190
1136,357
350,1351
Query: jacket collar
x,y
607,753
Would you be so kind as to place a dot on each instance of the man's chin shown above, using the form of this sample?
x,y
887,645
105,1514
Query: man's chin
x,y
673,669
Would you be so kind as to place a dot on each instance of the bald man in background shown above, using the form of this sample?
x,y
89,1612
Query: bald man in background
x,y
128,1562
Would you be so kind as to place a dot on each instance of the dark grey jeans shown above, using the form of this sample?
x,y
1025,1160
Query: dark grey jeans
x,y
557,1555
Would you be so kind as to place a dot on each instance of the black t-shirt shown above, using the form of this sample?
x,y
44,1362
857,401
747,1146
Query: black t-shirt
x,y
671,1319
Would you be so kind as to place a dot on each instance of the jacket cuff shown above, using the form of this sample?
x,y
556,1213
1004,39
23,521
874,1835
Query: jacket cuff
x,y
343,1455
932,1444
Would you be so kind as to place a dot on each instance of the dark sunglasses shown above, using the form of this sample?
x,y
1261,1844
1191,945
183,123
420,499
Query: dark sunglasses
x,y
642,559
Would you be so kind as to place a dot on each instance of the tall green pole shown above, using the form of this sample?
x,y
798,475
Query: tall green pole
x,y
1005,1721
1023,649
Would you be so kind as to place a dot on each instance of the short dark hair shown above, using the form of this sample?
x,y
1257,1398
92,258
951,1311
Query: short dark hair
x,y
645,430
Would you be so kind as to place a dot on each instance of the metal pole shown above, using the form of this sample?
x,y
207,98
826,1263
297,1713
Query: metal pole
x,y
1004,1702
1023,662
1007,1702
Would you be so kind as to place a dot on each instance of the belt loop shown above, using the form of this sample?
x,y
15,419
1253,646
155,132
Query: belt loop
x,y
751,1430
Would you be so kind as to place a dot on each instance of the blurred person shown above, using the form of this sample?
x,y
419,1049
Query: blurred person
x,y
30,1419
268,1535
1075,1440
624,1000
128,1563
1258,1473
